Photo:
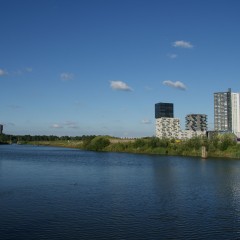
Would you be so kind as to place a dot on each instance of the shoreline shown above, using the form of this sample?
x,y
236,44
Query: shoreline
x,y
113,146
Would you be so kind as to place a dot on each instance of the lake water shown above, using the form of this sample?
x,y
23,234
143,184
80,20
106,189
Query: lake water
x,y
56,193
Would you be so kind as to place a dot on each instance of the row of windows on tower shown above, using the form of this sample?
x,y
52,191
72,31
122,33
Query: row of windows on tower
x,y
164,110
195,122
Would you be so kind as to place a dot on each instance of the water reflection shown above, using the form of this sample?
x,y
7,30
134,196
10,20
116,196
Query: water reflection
x,y
195,194
62,193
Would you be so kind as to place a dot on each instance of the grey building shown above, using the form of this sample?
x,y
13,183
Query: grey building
x,y
164,110
223,111
196,122
1,128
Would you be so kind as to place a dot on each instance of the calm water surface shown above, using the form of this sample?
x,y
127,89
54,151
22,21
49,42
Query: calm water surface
x,y
56,193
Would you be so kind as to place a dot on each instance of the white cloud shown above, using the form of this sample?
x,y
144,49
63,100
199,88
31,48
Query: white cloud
x,y
119,85
3,72
55,125
177,84
182,44
66,76
66,124
146,121
172,55
15,73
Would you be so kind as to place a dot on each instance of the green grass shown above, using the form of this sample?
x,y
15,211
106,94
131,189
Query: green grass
x,y
152,145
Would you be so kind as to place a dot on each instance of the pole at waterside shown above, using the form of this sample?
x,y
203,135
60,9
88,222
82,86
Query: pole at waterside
x,y
204,152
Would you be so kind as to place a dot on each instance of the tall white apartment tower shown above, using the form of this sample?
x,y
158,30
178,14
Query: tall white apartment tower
x,y
227,112
235,97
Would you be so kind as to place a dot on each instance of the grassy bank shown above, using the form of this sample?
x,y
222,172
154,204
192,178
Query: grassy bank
x,y
219,146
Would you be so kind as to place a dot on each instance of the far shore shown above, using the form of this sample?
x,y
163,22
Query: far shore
x,y
145,146
218,146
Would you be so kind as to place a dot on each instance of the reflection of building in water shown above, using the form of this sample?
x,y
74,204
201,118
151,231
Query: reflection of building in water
x,y
1,128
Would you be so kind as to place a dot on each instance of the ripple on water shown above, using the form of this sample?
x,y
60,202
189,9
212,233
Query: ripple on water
x,y
51,193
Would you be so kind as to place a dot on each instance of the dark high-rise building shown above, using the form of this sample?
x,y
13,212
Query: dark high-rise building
x,y
223,111
1,128
164,110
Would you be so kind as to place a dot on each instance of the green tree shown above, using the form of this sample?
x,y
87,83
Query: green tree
x,y
139,143
194,143
227,140
4,138
98,143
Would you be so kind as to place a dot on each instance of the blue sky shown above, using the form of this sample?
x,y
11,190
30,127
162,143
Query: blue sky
x,y
83,67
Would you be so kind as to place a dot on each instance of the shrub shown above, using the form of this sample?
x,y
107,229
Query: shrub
x,y
98,143
227,140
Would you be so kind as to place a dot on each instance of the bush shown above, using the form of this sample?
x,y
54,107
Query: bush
x,y
98,143
194,143
139,143
227,140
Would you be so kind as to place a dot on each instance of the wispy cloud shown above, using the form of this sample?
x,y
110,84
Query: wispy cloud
x,y
172,55
3,72
9,124
78,104
119,85
177,84
66,76
15,73
13,106
71,124
28,69
56,125
23,71
66,124
146,121
147,88
182,44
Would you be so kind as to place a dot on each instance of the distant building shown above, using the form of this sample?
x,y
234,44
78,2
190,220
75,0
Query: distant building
x,y
164,110
1,128
167,127
170,128
223,111
196,122
187,134
227,112
236,113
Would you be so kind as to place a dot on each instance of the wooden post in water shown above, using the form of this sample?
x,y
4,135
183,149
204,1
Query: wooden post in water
x,y
204,152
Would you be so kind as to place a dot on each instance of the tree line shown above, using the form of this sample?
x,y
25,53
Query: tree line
x,y
224,145
219,145
6,138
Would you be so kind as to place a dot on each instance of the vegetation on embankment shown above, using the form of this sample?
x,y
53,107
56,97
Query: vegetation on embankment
x,y
218,146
